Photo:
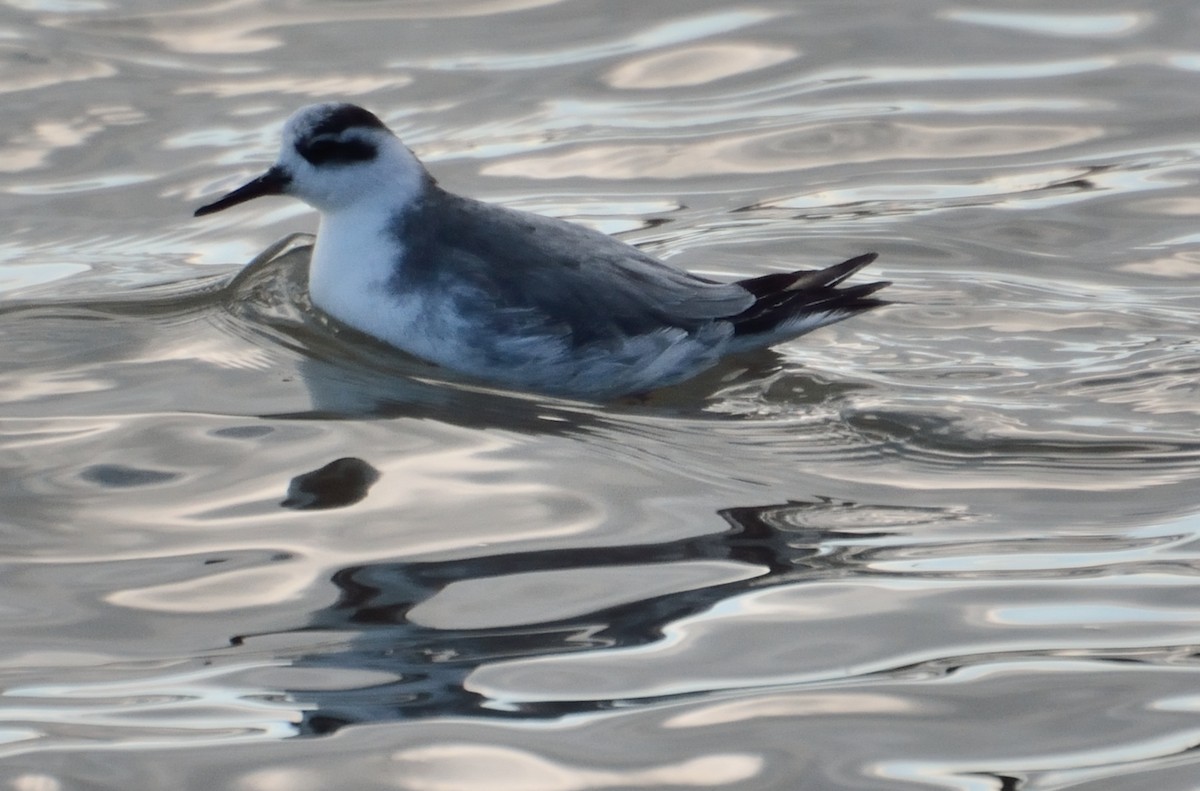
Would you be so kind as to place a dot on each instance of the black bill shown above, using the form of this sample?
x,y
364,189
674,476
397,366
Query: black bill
x,y
270,183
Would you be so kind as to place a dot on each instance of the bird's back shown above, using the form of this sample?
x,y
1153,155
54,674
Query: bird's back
x,y
566,276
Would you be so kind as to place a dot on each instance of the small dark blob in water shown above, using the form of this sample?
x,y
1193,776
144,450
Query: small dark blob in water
x,y
242,432
339,483
118,476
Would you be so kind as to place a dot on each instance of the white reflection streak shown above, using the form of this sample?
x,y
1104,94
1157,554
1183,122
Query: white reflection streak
x,y
987,71
667,34
467,767
789,706
1064,25
140,702
1063,770
36,782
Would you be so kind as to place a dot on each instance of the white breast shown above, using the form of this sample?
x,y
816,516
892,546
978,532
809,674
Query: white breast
x,y
353,278
351,264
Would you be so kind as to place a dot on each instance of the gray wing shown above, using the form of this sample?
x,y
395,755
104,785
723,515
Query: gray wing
x,y
547,271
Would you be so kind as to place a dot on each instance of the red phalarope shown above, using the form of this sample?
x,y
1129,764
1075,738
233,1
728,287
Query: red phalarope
x,y
512,298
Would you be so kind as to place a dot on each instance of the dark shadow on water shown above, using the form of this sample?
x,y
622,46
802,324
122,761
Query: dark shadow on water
x,y
782,543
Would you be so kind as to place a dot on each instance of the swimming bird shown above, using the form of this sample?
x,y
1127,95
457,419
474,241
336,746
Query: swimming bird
x,y
517,299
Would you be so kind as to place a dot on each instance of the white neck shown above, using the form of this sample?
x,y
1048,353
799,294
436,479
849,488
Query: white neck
x,y
354,262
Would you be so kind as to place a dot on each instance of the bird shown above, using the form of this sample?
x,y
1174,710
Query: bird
x,y
511,298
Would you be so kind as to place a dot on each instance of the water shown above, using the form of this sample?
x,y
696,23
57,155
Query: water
x,y
950,544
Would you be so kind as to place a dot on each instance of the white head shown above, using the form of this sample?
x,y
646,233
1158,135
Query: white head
x,y
334,157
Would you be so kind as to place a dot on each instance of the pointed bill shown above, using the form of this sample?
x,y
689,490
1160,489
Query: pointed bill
x,y
272,182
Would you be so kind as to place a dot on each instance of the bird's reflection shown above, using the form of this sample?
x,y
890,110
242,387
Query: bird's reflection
x,y
784,543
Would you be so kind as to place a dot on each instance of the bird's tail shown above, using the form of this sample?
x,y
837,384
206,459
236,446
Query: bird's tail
x,y
788,304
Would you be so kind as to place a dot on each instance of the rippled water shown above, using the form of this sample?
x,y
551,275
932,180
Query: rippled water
x,y
950,544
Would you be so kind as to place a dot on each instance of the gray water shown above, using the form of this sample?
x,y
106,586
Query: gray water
x,y
949,544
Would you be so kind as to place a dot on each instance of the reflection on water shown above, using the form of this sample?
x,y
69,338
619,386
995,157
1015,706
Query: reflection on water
x,y
430,624
951,544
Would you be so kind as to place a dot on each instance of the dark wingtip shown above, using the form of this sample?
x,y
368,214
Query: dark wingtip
x,y
839,272
860,261
805,279
782,295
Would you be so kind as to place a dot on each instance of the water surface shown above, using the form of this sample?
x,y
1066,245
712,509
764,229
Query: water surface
x,y
951,544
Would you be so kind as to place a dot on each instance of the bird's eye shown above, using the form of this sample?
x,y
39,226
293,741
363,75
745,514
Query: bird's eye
x,y
328,151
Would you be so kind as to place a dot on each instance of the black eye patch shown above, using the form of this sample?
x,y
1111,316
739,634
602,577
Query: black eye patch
x,y
325,151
